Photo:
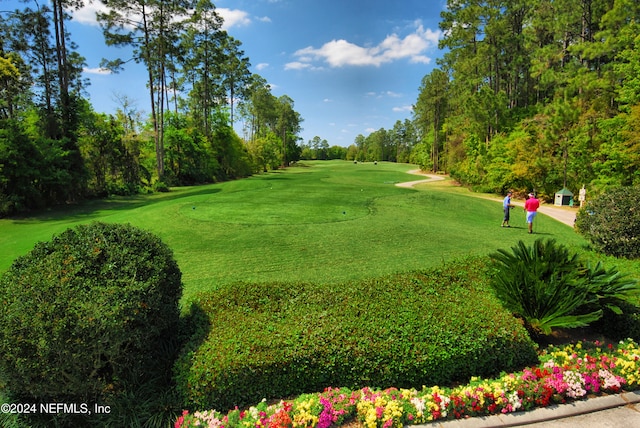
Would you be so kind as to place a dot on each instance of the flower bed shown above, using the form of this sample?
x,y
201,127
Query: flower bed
x,y
564,374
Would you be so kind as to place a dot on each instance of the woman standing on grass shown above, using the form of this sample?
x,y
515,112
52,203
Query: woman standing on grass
x,y
531,206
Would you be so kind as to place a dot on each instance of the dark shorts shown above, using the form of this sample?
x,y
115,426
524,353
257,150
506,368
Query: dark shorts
x,y
507,210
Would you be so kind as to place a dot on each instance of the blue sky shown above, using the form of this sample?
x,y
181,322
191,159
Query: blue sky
x,y
351,66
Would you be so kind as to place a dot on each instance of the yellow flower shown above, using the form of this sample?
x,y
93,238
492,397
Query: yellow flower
x,y
367,412
304,419
393,410
407,394
380,401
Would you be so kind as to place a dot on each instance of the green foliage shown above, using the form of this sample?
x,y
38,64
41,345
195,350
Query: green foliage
x,y
318,149
110,155
161,186
549,287
89,317
275,340
613,290
420,155
611,222
187,158
20,168
233,159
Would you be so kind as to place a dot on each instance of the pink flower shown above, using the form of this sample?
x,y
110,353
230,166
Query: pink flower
x,y
180,419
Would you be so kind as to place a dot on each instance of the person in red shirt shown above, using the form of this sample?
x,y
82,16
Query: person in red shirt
x,y
531,206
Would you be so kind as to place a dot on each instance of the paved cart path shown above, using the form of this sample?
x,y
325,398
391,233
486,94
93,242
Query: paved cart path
x,y
566,215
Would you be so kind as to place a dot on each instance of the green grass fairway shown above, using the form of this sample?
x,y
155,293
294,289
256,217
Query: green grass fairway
x,y
319,222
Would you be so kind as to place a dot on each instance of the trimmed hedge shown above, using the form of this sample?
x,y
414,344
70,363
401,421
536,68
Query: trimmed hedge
x,y
89,317
277,340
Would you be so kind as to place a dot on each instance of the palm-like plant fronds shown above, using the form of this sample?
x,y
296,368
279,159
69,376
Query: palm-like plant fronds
x,y
610,287
548,287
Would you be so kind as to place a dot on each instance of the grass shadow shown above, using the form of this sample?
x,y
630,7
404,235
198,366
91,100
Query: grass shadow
x,y
194,330
89,209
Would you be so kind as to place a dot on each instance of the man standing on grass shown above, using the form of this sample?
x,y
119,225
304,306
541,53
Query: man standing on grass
x,y
531,206
506,206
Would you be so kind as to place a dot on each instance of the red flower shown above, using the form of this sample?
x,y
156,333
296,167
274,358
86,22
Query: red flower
x,y
280,420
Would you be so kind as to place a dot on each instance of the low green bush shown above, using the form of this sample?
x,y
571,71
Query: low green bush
x,y
611,222
90,317
408,330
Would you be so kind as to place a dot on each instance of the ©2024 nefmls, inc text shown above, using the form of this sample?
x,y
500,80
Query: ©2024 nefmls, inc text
x,y
54,408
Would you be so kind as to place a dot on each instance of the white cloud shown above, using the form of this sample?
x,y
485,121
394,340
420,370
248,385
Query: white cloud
x,y
87,13
421,59
262,66
296,65
96,70
403,109
383,94
299,65
340,53
233,17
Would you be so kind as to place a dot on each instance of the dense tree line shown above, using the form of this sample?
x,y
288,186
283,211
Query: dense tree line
x,y
55,148
319,149
398,144
535,95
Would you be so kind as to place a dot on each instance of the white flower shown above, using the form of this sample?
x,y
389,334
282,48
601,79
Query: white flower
x,y
515,401
419,404
575,384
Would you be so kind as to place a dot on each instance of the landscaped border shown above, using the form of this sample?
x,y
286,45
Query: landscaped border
x,y
567,373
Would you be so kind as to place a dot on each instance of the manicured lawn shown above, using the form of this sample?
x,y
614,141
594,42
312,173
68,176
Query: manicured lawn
x,y
322,222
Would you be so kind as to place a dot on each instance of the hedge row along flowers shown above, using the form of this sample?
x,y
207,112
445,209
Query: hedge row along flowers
x,y
564,374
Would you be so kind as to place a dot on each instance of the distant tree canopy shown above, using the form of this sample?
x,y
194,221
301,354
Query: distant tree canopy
x,y
392,145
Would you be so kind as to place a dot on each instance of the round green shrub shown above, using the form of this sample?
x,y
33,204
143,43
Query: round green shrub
x,y
88,317
611,222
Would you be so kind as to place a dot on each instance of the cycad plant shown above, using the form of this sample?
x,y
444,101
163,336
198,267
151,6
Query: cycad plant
x,y
548,287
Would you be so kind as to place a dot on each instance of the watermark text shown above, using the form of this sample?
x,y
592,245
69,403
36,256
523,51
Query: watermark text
x,y
54,408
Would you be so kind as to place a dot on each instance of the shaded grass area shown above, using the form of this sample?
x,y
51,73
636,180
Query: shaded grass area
x,y
326,222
